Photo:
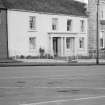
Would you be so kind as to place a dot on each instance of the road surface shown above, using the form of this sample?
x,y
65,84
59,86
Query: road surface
x,y
52,85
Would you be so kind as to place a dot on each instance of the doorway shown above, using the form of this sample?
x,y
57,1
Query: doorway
x,y
57,46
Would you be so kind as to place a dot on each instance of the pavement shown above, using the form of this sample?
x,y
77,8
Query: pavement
x,y
61,61
52,85
50,62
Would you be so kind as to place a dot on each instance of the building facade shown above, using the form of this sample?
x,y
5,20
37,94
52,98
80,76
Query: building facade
x,y
59,34
3,34
92,24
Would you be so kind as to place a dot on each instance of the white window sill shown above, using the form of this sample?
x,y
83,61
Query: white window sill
x,y
32,31
82,49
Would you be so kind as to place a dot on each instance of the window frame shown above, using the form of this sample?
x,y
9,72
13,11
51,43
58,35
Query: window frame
x,y
82,25
81,43
54,24
69,26
32,44
32,22
0,16
68,43
101,43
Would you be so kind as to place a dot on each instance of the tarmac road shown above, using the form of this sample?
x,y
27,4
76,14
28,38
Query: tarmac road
x,y
50,85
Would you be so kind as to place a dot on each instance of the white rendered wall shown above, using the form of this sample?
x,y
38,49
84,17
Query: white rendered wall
x,y
19,32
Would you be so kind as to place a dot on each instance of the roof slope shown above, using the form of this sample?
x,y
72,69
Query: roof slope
x,y
51,6
1,4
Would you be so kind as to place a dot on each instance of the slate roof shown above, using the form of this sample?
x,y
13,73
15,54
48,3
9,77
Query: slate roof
x,y
70,7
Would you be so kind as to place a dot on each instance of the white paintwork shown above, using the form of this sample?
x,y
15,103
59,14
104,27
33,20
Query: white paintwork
x,y
84,1
19,32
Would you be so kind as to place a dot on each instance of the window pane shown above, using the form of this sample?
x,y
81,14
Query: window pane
x,y
32,42
102,14
82,26
101,43
54,23
81,42
0,17
68,43
69,25
32,22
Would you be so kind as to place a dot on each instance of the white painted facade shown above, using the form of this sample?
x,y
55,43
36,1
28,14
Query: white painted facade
x,y
19,34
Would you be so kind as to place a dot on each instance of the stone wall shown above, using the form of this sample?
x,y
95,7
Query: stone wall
x,y
92,24
3,35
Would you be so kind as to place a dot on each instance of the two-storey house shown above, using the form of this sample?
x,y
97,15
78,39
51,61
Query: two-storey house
x,y
57,26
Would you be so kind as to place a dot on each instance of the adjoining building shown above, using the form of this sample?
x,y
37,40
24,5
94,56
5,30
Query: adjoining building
x,y
57,26
92,23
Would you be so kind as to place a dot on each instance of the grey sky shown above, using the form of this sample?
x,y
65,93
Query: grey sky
x,y
86,1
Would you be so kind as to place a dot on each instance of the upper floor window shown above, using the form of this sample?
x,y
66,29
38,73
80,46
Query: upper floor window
x,y
82,25
54,23
81,42
32,22
69,25
32,43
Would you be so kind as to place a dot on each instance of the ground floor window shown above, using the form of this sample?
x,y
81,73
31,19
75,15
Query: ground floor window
x,y
81,42
68,43
101,43
32,43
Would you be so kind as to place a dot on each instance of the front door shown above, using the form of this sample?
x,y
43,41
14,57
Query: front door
x,y
57,46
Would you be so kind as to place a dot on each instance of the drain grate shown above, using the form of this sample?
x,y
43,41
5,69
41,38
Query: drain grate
x,y
69,91
20,83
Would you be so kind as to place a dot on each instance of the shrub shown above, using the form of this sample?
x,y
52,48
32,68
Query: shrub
x,y
22,56
41,51
32,57
48,56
